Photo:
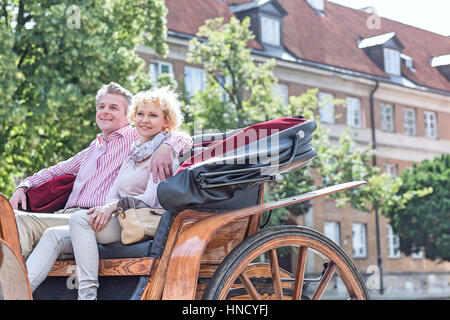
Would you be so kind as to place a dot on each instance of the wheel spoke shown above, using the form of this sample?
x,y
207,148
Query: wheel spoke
x,y
249,286
300,273
275,274
324,282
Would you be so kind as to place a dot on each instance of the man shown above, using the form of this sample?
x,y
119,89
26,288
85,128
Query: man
x,y
95,168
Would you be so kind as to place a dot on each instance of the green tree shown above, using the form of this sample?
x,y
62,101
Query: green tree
x,y
54,56
238,91
423,222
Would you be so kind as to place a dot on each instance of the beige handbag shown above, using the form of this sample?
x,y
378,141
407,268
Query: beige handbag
x,y
137,219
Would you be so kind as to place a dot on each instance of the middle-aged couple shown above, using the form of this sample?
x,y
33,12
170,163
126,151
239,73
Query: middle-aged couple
x,y
121,153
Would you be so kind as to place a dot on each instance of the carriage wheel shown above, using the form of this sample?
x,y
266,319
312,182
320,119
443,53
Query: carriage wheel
x,y
243,274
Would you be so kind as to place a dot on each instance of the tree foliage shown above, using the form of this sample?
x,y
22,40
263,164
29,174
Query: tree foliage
x,y
54,56
238,91
423,222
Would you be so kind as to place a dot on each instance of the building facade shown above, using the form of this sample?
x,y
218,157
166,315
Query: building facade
x,y
395,79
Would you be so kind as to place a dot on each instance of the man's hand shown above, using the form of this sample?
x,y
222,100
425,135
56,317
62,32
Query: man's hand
x,y
19,197
161,163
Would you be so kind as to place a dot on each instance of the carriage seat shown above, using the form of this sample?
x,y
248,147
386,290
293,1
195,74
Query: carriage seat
x,y
118,250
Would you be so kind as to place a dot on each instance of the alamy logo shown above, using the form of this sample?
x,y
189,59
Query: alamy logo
x,y
72,280
74,17
373,282
373,22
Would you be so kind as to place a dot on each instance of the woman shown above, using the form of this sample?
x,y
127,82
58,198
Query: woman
x,y
155,114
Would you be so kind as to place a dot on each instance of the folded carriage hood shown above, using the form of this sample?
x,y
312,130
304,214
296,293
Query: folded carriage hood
x,y
240,161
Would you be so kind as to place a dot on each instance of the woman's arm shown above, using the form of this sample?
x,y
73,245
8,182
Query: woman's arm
x,y
150,196
177,143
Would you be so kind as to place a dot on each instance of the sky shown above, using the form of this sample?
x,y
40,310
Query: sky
x,y
431,15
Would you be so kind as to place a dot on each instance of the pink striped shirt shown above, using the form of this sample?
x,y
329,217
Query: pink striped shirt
x,y
96,167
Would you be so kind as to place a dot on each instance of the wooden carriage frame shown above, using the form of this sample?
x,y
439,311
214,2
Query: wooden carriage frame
x,y
197,244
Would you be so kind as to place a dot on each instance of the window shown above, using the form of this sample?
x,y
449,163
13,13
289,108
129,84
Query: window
x,y
331,230
280,91
409,121
393,243
159,67
326,107
391,169
194,80
430,125
354,112
359,240
387,117
270,31
392,61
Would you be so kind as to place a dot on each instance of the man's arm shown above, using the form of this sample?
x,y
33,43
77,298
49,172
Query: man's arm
x,y
161,163
70,166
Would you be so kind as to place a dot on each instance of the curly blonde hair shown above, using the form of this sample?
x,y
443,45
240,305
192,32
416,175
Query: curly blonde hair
x,y
165,99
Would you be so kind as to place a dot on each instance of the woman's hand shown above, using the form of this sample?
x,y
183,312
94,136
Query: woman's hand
x,y
100,216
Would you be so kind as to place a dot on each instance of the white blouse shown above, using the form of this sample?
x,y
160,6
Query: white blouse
x,y
135,180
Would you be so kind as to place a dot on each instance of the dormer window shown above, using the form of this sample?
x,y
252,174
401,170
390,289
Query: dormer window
x,y
392,61
270,31
442,63
385,51
266,21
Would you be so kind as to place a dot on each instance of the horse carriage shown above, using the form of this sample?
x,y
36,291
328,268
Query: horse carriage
x,y
210,243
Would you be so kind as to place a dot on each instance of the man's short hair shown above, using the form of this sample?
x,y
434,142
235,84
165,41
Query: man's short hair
x,y
114,88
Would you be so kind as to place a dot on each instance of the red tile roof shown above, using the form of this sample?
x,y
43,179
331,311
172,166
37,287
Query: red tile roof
x,y
187,16
330,39
419,44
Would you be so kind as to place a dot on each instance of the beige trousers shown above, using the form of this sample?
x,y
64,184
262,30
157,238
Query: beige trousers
x,y
31,226
78,238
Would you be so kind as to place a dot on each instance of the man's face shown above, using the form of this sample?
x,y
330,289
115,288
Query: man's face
x,y
111,113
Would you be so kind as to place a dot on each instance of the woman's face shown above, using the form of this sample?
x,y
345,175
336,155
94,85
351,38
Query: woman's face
x,y
149,120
